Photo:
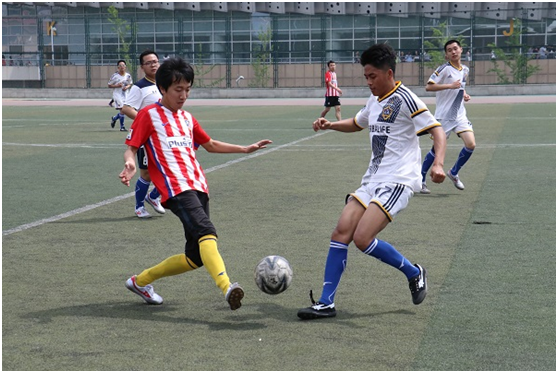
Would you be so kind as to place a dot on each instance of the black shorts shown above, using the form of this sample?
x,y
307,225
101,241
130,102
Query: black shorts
x,y
331,101
192,208
142,158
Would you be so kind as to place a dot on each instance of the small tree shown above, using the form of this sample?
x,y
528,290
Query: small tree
x,y
123,29
262,59
515,60
435,46
200,70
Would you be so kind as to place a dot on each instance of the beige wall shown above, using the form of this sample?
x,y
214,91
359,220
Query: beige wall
x,y
295,75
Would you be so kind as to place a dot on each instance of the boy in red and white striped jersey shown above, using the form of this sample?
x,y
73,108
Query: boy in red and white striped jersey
x,y
332,92
171,136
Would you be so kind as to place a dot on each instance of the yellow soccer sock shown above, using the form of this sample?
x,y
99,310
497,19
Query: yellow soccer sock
x,y
171,266
213,262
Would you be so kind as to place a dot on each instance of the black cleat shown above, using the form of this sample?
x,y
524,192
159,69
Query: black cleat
x,y
418,285
317,310
112,122
123,129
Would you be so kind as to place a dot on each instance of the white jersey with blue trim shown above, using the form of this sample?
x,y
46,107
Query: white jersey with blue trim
x,y
449,102
143,93
395,121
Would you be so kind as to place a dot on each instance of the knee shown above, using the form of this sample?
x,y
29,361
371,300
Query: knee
x,y
362,241
145,174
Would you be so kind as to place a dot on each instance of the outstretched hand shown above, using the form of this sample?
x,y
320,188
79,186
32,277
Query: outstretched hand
x,y
321,124
262,144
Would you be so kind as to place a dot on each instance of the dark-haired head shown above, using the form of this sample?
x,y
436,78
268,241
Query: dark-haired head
x,y
451,42
381,56
121,61
173,70
330,62
146,53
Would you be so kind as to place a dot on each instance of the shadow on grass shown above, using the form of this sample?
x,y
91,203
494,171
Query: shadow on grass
x,y
134,311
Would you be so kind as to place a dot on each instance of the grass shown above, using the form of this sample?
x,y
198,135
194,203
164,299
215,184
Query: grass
x,y
489,250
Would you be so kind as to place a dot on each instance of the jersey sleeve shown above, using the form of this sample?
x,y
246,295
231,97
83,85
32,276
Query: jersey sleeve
x,y
422,118
328,77
134,97
140,129
438,75
113,79
200,136
361,118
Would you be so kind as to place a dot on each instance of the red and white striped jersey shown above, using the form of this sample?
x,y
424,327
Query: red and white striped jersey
x,y
170,139
331,77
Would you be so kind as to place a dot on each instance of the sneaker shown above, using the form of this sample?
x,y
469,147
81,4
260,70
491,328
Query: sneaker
x,y
155,203
112,122
317,310
234,296
418,285
123,129
146,292
458,184
424,189
142,213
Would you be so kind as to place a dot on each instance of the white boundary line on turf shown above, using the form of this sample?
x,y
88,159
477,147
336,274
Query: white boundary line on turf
x,y
127,195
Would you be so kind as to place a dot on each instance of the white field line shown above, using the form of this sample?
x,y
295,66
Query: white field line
x,y
127,195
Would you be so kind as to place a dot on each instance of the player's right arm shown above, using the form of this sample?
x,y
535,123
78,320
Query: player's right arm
x,y
434,87
345,125
129,165
129,111
133,102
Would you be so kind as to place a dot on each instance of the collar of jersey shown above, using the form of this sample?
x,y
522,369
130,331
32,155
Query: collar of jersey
x,y
397,84
455,67
149,80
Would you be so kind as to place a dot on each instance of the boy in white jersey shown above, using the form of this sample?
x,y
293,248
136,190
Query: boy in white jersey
x,y
120,82
142,94
394,117
448,81
171,136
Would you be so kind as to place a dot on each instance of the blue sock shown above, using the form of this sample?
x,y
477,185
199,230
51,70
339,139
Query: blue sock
x,y
142,187
121,119
154,194
464,156
428,160
335,265
386,253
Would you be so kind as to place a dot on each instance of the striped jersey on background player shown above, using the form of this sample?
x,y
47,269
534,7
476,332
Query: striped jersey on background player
x,y
332,91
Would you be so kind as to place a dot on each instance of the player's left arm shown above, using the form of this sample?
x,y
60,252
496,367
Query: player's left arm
x,y
216,146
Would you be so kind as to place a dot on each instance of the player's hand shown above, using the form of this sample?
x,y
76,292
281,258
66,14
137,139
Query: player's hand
x,y
127,173
437,174
321,124
340,92
262,144
466,97
456,84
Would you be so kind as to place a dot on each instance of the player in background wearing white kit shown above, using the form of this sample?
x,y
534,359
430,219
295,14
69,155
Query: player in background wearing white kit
x,y
144,93
120,82
394,117
448,81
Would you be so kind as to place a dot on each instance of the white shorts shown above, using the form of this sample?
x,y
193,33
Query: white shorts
x,y
456,126
390,197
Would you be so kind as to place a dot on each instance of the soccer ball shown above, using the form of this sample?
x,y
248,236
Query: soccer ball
x,y
273,274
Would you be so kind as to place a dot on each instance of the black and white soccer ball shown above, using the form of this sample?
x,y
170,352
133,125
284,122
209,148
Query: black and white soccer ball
x,y
273,274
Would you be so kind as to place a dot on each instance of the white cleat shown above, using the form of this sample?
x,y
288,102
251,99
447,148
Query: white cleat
x,y
424,189
455,179
156,204
234,296
146,292
142,213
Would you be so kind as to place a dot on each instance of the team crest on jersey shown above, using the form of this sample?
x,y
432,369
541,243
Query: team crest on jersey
x,y
391,110
129,135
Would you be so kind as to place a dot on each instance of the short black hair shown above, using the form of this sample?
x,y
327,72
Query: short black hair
x,y
451,42
381,56
118,63
330,62
145,53
173,69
